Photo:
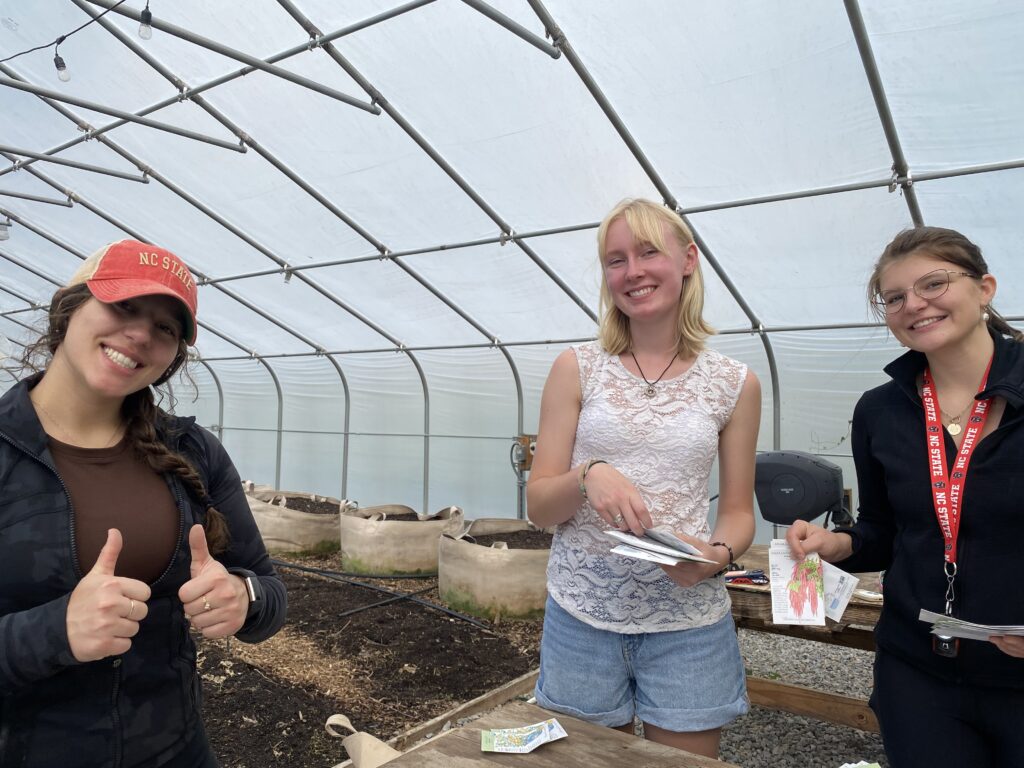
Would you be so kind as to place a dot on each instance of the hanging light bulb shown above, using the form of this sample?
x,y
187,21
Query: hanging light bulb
x,y
5,230
145,22
62,68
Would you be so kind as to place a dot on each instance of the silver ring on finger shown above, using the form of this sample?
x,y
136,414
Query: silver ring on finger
x,y
618,519
131,608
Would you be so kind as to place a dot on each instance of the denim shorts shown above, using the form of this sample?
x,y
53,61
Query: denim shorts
x,y
686,680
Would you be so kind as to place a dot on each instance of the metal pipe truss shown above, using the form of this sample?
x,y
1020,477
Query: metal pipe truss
x,y
35,198
48,93
245,58
900,168
7,151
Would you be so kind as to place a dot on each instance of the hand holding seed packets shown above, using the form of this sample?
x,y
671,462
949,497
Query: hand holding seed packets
x,y
806,591
521,740
950,627
657,545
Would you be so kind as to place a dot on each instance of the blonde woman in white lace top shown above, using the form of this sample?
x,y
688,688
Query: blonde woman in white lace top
x,y
630,426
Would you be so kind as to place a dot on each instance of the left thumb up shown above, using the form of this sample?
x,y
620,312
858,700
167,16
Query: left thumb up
x,y
199,550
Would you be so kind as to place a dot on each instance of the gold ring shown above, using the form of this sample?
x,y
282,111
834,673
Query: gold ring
x,y
206,603
131,608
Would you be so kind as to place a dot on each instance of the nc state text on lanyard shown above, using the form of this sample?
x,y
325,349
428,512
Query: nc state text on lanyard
x,y
947,490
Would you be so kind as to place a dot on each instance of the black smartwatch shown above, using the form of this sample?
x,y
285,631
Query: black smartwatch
x,y
253,588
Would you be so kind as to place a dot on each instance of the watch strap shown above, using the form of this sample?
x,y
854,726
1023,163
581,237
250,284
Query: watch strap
x,y
253,589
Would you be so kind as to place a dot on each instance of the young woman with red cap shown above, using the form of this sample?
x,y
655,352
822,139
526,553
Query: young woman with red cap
x,y
120,527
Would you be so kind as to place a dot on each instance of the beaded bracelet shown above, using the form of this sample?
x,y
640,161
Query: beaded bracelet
x,y
731,565
584,468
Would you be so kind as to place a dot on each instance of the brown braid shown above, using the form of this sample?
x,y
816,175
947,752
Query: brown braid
x,y
142,415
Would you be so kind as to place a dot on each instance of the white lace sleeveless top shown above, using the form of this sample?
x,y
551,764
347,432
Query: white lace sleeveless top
x,y
666,446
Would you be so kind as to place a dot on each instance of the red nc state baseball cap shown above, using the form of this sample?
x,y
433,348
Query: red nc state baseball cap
x,y
128,269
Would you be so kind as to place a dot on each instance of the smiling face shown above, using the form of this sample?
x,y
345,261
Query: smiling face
x,y
947,322
645,280
117,349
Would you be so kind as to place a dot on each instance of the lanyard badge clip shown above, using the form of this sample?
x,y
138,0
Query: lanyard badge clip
x,y
944,645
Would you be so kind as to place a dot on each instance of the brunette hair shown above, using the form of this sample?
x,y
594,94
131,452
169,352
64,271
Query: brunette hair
x,y
646,221
948,245
139,410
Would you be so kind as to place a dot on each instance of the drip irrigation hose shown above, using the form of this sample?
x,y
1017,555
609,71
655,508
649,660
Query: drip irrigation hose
x,y
390,600
334,576
324,572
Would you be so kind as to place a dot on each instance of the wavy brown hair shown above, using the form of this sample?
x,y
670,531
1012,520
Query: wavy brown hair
x,y
141,413
948,245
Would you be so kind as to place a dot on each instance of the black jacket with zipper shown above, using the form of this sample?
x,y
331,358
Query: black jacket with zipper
x,y
137,709
896,528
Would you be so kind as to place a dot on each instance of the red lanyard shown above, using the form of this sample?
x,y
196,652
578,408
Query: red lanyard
x,y
947,490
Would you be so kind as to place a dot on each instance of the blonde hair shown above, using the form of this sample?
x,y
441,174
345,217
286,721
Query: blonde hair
x,y
648,222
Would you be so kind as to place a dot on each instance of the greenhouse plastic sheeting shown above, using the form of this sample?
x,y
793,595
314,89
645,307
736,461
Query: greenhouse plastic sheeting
x,y
408,240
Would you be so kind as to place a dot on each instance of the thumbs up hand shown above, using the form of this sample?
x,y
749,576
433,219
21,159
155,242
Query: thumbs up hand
x,y
215,601
105,610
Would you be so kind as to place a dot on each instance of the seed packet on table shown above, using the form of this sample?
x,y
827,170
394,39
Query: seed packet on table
x,y
520,740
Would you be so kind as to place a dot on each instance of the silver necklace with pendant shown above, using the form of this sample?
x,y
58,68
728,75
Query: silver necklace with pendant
x,y
649,391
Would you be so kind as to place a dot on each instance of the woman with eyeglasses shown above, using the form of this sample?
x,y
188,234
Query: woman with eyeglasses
x,y
630,426
939,452
122,527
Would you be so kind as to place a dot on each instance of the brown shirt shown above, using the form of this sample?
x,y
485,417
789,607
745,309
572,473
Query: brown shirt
x,y
112,488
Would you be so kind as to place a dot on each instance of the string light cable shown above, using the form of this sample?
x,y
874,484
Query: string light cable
x,y
58,60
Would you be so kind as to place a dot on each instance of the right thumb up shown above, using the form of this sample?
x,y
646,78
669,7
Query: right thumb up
x,y
104,610
107,560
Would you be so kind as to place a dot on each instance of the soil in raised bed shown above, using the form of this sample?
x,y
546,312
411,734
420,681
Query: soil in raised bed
x,y
515,539
306,504
406,516
387,668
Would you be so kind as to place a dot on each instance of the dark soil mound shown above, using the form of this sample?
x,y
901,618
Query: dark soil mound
x,y
516,539
318,507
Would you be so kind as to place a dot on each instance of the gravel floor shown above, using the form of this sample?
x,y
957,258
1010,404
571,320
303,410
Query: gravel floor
x,y
770,739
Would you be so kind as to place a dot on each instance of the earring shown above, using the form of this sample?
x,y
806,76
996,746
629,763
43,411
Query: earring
x,y
985,315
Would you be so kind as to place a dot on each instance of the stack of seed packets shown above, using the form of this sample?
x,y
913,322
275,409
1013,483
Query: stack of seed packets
x,y
521,740
806,591
950,627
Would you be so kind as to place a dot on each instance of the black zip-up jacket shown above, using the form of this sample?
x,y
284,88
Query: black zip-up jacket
x,y
137,709
896,529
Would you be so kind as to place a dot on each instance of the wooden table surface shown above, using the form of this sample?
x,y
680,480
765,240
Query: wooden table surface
x,y
586,746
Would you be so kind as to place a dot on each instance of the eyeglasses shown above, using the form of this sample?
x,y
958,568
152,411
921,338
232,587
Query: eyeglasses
x,y
928,287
